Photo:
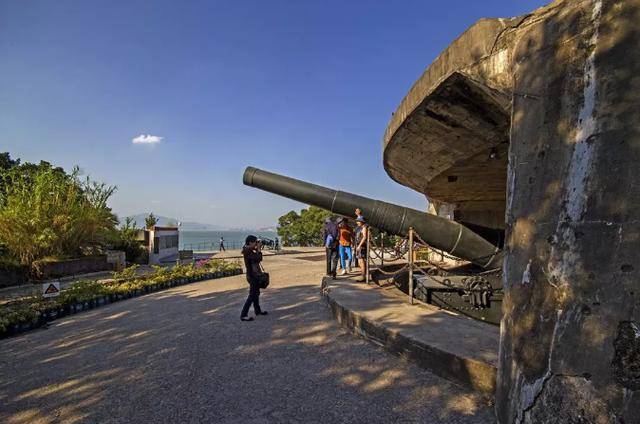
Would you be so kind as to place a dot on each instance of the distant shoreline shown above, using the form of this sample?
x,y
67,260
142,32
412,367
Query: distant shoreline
x,y
209,240
232,230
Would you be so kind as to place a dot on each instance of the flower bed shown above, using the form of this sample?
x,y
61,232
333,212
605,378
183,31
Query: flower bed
x,y
28,313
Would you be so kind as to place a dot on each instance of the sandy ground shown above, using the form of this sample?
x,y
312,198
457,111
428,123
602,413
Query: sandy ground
x,y
183,356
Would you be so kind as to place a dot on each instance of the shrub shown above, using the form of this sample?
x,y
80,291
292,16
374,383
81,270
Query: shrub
x,y
30,310
125,239
126,274
46,212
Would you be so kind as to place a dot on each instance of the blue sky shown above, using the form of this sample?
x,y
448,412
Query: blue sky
x,y
304,88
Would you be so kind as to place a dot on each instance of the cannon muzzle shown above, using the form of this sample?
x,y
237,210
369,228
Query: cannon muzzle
x,y
441,233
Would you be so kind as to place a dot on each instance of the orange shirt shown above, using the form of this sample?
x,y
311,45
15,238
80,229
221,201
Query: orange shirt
x,y
346,235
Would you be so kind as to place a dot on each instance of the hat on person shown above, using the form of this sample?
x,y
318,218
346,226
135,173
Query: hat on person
x,y
327,219
360,219
341,220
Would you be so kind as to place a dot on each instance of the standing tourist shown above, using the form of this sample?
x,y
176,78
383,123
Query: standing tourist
x,y
358,213
252,253
344,249
221,248
329,237
361,247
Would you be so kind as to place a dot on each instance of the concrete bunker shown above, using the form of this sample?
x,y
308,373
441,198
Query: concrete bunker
x,y
453,148
527,127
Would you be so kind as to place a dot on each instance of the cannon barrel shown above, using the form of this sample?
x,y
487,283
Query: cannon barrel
x,y
438,232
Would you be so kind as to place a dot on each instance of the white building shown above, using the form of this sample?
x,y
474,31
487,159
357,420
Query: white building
x,y
162,244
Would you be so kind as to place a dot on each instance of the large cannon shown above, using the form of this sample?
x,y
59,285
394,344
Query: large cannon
x,y
464,289
441,233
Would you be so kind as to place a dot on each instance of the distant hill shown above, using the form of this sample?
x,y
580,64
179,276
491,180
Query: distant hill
x,y
184,225
269,229
261,229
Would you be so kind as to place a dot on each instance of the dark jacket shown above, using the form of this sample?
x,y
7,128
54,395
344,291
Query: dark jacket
x,y
252,261
330,228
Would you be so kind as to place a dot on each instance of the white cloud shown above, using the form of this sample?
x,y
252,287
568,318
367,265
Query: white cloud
x,y
147,139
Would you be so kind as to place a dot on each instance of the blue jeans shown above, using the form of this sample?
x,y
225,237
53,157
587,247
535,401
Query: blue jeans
x,y
342,250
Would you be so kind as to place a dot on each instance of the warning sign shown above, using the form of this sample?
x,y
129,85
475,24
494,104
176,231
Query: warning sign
x,y
51,289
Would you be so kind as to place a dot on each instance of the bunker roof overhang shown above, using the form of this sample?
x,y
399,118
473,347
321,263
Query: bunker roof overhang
x,y
449,137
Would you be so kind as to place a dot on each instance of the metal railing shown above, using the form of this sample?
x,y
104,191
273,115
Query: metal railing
x,y
210,246
214,246
414,256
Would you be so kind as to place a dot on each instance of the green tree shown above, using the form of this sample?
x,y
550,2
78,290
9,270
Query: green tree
x,y
286,225
6,162
303,229
13,172
150,221
126,240
46,212
312,220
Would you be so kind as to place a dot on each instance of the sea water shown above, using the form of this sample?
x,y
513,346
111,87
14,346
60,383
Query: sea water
x,y
210,240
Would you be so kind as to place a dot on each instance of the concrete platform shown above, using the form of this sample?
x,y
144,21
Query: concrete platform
x,y
449,345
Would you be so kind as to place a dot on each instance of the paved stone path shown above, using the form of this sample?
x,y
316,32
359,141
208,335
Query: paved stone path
x,y
183,356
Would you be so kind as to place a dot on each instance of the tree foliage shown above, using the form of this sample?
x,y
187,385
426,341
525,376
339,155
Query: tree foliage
x,y
150,221
6,162
47,212
126,240
302,229
286,227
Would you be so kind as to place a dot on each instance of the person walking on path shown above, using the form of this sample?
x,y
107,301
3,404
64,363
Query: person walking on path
x,y
221,248
252,253
344,249
329,237
361,247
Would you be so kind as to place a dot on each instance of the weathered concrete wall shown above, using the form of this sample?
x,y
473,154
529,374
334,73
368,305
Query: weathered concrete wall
x,y
44,269
13,275
117,259
559,89
570,340
449,136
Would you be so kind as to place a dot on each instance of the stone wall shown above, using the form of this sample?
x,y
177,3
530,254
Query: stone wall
x,y
117,259
13,275
45,270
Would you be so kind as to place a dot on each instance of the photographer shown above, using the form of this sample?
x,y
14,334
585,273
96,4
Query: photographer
x,y
252,253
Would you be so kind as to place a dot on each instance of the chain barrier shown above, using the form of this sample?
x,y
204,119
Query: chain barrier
x,y
475,286
474,260
381,253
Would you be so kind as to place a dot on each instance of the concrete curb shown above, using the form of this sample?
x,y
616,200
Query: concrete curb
x,y
478,375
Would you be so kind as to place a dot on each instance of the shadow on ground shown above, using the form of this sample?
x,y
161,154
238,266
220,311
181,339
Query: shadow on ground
x,y
184,356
